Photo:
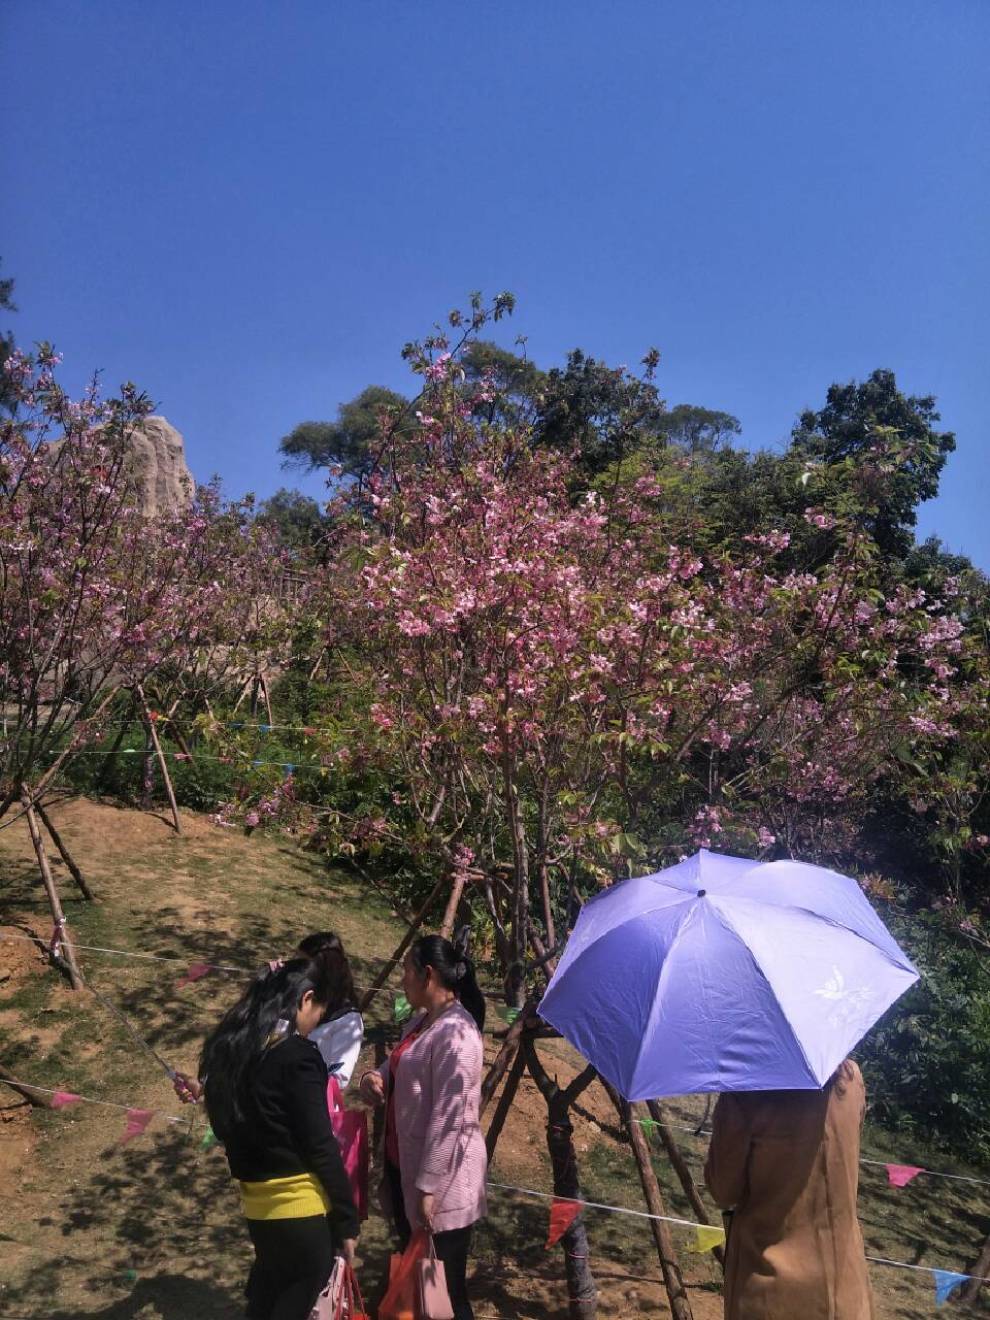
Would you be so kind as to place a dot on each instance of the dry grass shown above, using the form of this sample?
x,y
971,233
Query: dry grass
x,y
151,1231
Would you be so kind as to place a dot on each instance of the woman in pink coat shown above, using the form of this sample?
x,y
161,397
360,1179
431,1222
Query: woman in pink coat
x,y
435,1158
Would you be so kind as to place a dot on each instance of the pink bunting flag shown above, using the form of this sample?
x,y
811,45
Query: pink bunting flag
x,y
62,1099
137,1122
899,1175
562,1215
194,972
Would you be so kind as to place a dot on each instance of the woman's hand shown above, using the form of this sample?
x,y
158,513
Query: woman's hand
x,y
426,1205
348,1249
372,1089
188,1089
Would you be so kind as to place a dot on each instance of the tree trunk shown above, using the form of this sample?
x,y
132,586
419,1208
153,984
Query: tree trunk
x,y
680,1306
582,1294
62,951
147,773
683,1172
66,856
450,914
407,939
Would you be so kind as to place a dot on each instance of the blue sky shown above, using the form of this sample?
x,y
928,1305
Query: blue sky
x,y
248,207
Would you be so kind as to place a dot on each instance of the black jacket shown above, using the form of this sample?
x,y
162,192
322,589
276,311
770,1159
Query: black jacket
x,y
288,1128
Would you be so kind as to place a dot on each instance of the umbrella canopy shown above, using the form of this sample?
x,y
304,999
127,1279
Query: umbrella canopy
x,y
723,974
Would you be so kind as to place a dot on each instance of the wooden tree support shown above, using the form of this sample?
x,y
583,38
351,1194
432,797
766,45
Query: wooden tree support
x,y
505,1102
582,1293
63,953
504,1057
407,939
680,1305
162,763
981,1269
64,853
37,1098
683,1172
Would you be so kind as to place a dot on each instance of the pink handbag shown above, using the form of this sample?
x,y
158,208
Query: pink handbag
x,y
341,1298
350,1127
431,1287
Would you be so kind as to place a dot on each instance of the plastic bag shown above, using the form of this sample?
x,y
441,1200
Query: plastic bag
x,y
350,1127
400,1301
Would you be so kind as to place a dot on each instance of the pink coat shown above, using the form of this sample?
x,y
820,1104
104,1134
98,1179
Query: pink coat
x,y
441,1146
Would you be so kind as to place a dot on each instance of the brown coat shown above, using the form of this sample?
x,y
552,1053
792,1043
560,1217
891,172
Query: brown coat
x,y
787,1163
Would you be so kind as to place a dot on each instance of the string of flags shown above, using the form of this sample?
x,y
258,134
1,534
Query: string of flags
x,y
562,1210
197,970
898,1175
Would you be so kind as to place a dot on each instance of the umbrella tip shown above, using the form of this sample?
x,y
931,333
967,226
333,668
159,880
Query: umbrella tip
x,y
701,893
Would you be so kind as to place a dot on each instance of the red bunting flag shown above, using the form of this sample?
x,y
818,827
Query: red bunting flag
x,y
62,1099
562,1215
194,972
899,1175
137,1121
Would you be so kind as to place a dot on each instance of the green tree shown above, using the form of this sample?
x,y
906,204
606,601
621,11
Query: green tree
x,y
698,430
604,413
7,304
859,415
297,518
350,443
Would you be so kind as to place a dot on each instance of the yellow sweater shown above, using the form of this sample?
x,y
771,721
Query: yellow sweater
x,y
296,1197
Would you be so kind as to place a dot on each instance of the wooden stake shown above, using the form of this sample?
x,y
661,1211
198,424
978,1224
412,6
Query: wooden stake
x,y
680,1306
66,856
66,956
505,1102
36,1098
162,764
502,1060
981,1269
407,939
682,1171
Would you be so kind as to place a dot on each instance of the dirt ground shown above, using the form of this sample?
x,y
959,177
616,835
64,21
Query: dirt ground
x,y
150,1230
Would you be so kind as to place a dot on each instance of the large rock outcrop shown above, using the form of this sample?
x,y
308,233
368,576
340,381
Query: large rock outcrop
x,y
157,463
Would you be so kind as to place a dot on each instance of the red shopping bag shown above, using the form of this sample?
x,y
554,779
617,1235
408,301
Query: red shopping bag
x,y
400,1301
350,1127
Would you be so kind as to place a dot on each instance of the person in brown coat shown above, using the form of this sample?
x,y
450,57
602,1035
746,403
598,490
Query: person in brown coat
x,y
786,1164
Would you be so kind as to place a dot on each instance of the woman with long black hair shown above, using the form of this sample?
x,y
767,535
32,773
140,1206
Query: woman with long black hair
x,y
435,1157
265,1088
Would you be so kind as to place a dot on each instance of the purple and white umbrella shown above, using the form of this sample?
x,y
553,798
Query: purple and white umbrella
x,y
724,974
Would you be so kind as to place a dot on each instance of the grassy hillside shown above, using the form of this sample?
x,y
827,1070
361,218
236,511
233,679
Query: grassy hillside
x,y
151,1230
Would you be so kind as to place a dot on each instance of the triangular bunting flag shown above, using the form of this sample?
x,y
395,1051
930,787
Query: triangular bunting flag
x,y
194,972
62,1099
137,1121
946,1282
899,1175
401,1009
209,1139
706,1236
562,1215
